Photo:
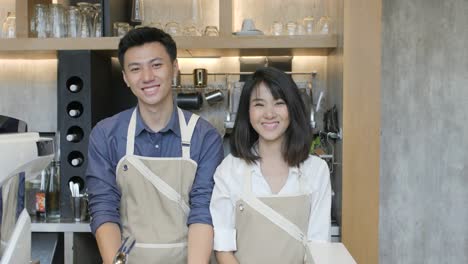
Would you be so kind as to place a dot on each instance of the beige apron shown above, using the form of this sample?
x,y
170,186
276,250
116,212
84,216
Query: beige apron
x,y
10,201
271,229
155,197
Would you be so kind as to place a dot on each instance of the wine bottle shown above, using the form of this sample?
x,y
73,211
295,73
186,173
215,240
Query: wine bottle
x,y
74,88
74,134
75,109
76,161
74,112
75,158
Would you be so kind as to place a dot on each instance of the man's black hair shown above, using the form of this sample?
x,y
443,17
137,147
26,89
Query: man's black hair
x,y
140,36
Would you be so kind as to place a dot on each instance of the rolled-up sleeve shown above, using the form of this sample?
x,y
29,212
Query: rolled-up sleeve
x,y
320,211
222,211
104,195
211,154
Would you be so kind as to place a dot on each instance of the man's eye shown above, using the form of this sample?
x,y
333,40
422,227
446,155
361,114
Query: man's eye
x,y
134,69
157,65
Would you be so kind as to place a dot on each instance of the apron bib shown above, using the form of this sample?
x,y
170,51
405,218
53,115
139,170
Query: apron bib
x,y
155,197
267,217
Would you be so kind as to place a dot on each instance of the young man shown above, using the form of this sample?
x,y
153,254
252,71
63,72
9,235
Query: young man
x,y
150,168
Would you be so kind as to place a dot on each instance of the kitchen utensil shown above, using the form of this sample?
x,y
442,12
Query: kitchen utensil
x,y
214,97
137,11
190,101
122,253
76,205
200,77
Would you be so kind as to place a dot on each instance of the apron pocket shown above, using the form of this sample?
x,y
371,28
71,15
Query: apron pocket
x,y
174,253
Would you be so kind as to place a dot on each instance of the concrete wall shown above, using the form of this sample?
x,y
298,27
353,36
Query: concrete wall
x,y
424,143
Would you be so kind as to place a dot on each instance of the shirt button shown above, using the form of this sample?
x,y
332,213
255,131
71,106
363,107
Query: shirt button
x,y
156,146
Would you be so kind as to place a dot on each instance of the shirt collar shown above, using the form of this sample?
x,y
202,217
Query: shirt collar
x,y
255,166
173,124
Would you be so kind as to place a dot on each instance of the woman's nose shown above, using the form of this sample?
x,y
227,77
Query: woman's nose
x,y
269,112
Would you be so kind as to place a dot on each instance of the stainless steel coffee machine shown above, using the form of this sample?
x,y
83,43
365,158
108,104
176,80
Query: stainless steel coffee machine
x,y
22,155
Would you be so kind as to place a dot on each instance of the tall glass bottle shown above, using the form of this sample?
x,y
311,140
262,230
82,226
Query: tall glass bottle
x,y
53,192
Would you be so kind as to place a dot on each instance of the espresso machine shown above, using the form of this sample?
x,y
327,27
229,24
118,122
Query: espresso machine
x,y
22,155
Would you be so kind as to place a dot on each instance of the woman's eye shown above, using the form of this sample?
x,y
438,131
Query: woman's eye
x,y
280,103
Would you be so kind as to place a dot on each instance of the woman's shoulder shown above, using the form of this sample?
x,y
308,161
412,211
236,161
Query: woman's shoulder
x,y
232,163
314,162
315,168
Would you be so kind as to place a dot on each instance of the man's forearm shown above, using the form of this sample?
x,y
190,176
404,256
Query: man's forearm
x,y
200,243
226,258
108,238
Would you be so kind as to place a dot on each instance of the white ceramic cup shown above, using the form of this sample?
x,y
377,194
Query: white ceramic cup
x,y
248,24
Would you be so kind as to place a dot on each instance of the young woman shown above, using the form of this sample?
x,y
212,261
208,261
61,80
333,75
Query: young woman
x,y
270,196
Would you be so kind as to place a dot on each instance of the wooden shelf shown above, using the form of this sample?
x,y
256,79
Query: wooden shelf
x,y
188,46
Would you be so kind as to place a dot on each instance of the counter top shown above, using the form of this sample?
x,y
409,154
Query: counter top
x,y
61,225
330,253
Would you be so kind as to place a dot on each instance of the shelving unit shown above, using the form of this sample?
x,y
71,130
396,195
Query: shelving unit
x,y
188,46
224,45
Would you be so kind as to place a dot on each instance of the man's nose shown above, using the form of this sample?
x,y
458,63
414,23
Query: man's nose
x,y
148,75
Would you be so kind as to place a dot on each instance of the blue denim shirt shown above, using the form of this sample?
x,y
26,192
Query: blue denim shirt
x,y
107,145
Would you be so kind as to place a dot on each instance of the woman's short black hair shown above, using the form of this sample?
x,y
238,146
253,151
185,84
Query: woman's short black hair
x,y
143,35
298,135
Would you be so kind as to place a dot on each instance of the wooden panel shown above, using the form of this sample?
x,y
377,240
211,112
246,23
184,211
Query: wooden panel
x,y
225,17
361,145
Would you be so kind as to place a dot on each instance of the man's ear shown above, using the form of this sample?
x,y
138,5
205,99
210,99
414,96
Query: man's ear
x,y
125,78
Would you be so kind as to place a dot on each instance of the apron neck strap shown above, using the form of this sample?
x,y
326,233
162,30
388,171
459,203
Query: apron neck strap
x,y
131,133
186,131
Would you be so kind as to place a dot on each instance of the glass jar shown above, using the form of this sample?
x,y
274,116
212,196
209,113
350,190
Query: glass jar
x,y
32,187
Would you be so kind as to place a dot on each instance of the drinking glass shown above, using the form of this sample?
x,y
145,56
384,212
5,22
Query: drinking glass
x,y
309,25
121,28
172,28
57,21
277,28
86,12
39,21
97,23
74,22
191,30
324,25
291,27
211,31
9,26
